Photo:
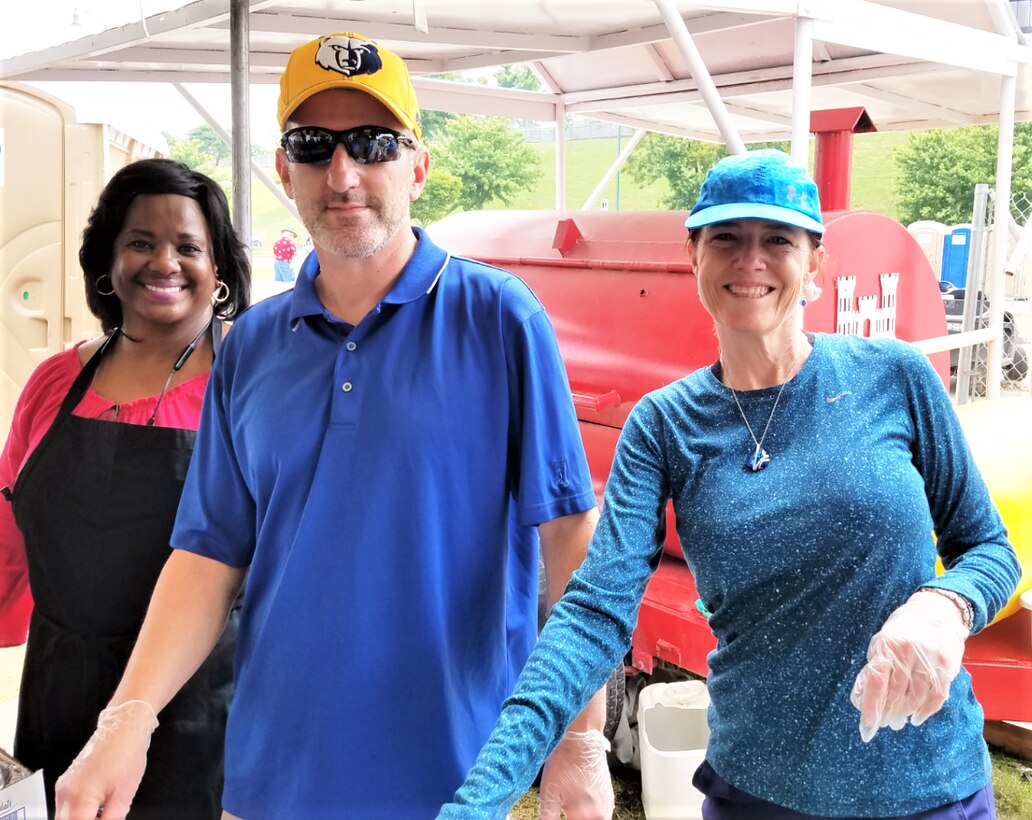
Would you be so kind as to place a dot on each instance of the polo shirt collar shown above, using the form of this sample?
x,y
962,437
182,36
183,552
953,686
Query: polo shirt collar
x,y
418,278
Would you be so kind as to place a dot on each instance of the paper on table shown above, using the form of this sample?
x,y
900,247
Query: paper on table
x,y
24,800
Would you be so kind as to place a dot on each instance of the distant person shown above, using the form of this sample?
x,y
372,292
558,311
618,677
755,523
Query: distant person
x,y
93,469
283,251
389,606
814,477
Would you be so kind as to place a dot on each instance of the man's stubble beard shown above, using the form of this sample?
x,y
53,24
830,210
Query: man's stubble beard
x,y
353,239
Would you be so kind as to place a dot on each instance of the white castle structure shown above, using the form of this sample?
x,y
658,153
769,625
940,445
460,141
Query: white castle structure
x,y
852,314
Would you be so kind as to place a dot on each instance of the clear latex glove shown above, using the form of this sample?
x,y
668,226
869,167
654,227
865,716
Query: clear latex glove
x,y
911,663
576,781
108,770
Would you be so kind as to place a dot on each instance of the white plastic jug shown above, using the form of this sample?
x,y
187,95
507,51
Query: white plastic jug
x,y
672,735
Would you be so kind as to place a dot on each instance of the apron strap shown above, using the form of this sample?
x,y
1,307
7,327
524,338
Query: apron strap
x,y
85,377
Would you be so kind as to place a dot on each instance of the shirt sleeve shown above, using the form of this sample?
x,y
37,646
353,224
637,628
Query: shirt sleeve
x,y
550,476
34,412
971,538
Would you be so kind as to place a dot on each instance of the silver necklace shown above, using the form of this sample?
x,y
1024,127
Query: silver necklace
x,y
759,458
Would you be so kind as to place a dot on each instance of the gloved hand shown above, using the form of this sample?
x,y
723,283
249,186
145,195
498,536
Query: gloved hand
x,y
911,663
110,766
575,779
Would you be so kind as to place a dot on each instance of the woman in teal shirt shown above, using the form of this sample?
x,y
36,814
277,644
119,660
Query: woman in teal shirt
x,y
808,473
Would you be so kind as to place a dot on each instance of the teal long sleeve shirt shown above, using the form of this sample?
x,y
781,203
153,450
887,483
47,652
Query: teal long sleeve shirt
x,y
800,564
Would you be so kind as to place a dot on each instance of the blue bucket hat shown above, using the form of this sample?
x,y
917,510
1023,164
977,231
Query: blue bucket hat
x,y
765,184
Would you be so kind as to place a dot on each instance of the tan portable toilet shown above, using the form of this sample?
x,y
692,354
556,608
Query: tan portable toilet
x,y
52,169
931,236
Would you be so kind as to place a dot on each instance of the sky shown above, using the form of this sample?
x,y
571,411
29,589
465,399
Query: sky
x,y
148,110
141,110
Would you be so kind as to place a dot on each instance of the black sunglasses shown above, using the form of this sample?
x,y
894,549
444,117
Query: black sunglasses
x,y
365,144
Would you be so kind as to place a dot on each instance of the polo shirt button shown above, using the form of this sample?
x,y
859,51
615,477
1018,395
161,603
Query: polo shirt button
x,y
351,345
346,387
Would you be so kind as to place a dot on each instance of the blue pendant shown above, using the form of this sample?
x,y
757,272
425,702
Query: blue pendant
x,y
758,460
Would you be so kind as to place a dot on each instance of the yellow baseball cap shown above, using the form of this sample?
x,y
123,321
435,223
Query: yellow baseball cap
x,y
348,60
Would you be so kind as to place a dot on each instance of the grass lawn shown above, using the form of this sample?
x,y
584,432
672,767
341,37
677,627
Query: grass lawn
x,y
874,172
586,163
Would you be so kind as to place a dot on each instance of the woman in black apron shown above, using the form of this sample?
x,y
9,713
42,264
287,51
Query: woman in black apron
x,y
95,501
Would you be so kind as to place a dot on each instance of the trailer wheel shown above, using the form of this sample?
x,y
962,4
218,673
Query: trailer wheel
x,y
615,688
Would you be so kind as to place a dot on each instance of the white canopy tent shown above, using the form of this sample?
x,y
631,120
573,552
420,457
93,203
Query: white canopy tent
x,y
734,71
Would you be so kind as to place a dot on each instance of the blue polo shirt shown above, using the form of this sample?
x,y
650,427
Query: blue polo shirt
x,y
366,476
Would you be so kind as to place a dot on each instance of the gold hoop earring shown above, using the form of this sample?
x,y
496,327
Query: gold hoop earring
x,y
96,286
221,293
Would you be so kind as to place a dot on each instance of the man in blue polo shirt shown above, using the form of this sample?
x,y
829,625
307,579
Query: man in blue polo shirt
x,y
391,589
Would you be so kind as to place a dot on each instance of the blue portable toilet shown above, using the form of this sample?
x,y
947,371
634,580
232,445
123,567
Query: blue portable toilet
x,y
955,251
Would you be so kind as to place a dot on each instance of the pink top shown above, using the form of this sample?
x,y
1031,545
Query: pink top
x,y
34,413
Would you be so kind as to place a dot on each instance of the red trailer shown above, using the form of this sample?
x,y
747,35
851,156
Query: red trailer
x,y
620,291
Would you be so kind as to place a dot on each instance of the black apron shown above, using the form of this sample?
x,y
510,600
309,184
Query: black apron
x,y
96,502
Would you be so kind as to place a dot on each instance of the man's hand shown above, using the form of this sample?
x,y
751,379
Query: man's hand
x,y
911,663
108,770
575,779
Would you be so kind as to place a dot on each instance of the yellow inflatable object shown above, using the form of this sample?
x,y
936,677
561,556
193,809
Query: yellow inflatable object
x,y
999,432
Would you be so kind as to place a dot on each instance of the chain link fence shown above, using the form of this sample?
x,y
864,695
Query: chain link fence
x,y
970,363
1019,292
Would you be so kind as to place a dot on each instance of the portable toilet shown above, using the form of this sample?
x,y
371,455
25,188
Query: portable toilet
x,y
955,252
52,169
930,236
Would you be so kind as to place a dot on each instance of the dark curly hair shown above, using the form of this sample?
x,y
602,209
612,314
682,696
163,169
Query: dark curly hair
x,y
161,176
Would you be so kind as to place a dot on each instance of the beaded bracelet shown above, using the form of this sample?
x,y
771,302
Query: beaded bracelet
x,y
959,600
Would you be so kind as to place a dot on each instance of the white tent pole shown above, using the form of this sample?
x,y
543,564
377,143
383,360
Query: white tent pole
x,y
613,169
998,248
707,88
560,156
240,92
802,80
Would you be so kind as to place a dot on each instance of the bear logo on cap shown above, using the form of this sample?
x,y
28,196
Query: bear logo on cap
x,y
348,56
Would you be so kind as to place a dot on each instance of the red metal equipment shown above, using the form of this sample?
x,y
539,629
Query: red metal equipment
x,y
619,289
833,152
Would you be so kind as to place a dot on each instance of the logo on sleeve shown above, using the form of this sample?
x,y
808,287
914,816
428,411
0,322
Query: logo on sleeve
x,y
560,472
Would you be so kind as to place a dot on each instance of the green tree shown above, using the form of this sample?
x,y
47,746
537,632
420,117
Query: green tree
x,y
211,143
439,198
491,159
435,125
518,75
683,163
189,151
938,171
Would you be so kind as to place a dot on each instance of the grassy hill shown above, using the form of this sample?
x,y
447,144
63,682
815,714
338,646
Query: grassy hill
x,y
874,172
873,183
